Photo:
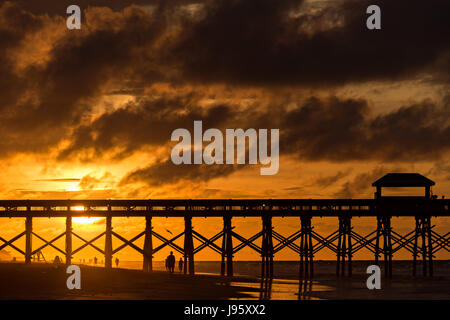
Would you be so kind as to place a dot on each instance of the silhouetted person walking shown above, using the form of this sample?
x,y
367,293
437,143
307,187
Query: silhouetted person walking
x,y
95,260
171,261
180,264
117,262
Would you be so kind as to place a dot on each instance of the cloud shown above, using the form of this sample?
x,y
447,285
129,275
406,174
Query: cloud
x,y
326,181
48,94
90,182
147,122
440,169
54,80
59,7
335,130
165,172
44,99
272,42
342,129
362,183
60,180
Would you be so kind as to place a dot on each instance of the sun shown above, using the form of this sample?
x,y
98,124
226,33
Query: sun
x,y
83,220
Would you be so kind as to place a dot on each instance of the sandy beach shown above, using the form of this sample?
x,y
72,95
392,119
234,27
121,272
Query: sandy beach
x,y
47,281
41,281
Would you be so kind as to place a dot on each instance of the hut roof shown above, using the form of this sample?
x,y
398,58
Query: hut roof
x,y
403,180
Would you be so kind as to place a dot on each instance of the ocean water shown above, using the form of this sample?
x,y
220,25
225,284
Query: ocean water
x,y
290,269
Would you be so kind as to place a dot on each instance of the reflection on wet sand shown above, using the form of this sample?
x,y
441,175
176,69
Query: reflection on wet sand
x,y
305,289
282,289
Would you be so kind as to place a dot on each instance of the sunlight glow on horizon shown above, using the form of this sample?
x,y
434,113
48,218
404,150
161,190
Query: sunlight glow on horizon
x,y
83,220
73,188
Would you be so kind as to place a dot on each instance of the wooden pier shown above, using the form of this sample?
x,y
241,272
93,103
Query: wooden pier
x,y
344,242
422,242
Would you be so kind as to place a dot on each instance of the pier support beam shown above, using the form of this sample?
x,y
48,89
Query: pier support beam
x,y
148,245
384,229
227,248
423,231
69,240
267,248
344,247
188,246
108,241
306,248
28,235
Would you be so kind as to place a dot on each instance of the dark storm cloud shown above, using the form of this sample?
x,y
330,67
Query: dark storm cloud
x,y
318,129
341,130
256,42
332,129
144,123
14,25
58,7
44,102
269,42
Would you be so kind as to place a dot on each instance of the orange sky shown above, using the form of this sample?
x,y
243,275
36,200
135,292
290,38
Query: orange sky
x,y
88,113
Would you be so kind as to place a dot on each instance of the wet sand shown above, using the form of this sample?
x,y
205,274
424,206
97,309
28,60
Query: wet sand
x,y
397,288
46,281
